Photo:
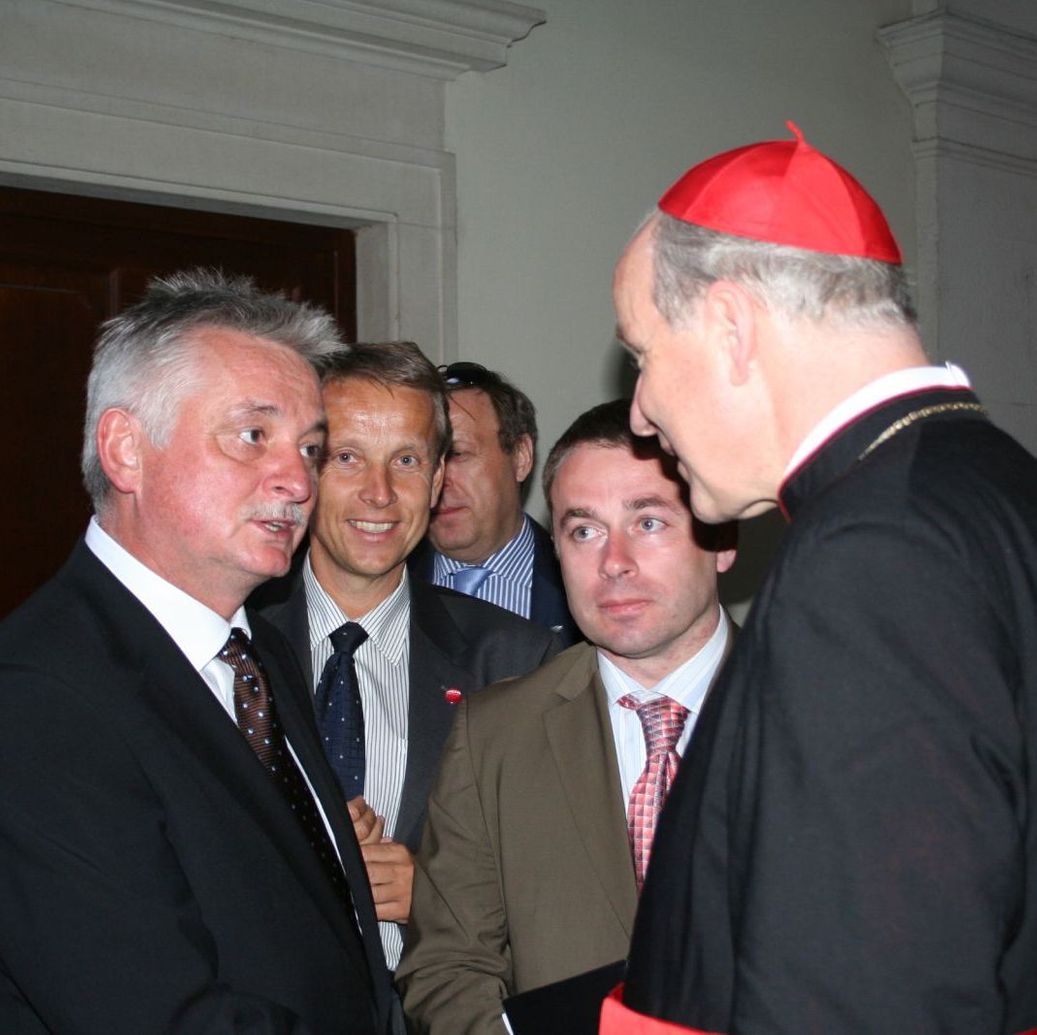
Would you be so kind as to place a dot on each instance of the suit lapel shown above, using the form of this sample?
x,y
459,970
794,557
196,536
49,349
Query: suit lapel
x,y
196,716
295,713
291,618
421,562
181,702
287,611
580,735
437,652
547,604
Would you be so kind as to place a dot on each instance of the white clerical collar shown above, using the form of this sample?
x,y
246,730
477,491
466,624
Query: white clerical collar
x,y
196,629
889,386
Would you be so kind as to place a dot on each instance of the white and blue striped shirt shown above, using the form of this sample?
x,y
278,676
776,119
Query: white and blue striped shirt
x,y
510,582
382,665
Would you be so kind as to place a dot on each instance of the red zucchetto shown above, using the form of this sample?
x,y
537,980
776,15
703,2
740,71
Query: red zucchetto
x,y
784,192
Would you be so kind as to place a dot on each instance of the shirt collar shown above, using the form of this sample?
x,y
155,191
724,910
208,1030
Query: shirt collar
x,y
386,624
514,560
687,684
889,386
196,629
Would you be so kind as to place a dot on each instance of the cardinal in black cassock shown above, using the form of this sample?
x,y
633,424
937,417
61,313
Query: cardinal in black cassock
x,y
851,843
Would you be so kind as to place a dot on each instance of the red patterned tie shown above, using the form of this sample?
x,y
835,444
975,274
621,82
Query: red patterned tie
x,y
662,721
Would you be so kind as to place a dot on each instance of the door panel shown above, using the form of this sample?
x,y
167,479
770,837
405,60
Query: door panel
x,y
66,265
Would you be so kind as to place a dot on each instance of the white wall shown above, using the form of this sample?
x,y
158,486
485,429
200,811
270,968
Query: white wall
x,y
560,153
333,113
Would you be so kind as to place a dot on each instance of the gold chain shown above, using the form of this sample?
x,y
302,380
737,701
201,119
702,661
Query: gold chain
x,y
926,411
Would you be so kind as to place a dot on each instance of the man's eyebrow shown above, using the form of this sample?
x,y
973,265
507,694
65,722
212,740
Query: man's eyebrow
x,y
576,513
418,446
254,408
649,503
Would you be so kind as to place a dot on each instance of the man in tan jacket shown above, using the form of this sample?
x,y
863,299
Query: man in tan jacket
x,y
539,826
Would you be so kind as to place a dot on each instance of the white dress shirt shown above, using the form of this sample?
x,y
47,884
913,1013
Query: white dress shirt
x,y
687,685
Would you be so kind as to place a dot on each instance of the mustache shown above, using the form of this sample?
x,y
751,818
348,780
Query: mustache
x,y
288,513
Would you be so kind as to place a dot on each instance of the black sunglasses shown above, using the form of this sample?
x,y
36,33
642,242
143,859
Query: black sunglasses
x,y
466,373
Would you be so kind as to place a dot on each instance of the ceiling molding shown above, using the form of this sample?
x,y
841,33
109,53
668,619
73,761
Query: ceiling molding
x,y
969,81
437,38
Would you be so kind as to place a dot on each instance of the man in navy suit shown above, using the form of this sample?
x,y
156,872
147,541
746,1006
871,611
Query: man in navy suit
x,y
480,540
169,859
426,647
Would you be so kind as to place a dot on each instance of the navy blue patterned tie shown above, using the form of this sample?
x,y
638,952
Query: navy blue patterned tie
x,y
340,711
257,719
468,580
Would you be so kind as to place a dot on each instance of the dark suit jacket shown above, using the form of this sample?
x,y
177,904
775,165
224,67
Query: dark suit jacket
x,y
152,878
852,846
548,606
525,875
456,641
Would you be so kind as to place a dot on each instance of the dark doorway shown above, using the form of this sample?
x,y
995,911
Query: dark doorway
x,y
67,263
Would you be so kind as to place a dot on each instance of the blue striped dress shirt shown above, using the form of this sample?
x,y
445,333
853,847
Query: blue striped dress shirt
x,y
382,665
510,582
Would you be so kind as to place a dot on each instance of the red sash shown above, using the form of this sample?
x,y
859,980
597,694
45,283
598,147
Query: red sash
x,y
617,1019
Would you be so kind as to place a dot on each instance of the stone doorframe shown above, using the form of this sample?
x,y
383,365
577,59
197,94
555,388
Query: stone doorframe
x,y
321,111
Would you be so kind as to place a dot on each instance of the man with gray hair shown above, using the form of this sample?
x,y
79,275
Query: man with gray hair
x,y
852,844
175,854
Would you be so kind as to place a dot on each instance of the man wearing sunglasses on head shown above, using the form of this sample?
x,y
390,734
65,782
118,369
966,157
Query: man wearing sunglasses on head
x,y
480,541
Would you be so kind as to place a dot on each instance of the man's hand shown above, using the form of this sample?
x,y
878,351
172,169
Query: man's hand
x,y
366,825
390,869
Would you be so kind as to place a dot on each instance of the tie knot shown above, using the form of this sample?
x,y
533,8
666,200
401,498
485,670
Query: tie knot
x,y
346,638
662,721
468,580
236,649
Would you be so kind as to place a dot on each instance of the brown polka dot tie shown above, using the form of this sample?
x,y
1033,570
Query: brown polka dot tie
x,y
662,721
257,720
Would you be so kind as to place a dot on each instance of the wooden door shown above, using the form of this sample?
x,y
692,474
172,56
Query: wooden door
x,y
68,263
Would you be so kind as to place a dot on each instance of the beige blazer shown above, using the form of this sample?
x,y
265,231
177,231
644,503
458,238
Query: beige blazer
x,y
524,876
